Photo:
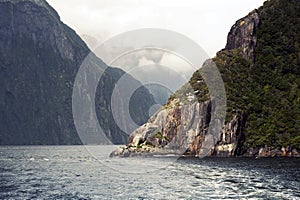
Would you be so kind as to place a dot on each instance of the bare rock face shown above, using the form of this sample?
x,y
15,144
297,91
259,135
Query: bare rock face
x,y
232,137
176,128
183,129
242,35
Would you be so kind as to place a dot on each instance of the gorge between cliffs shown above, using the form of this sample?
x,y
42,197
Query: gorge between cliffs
x,y
77,123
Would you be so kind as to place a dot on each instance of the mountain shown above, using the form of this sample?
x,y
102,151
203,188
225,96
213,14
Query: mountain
x,y
260,67
39,59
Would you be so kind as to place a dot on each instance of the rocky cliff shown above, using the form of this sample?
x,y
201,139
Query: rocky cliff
x,y
261,74
39,59
242,35
174,129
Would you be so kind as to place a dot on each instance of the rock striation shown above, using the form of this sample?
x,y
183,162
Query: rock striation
x,y
242,35
172,130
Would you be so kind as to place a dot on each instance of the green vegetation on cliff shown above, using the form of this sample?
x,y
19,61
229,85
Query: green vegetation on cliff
x,y
275,113
266,88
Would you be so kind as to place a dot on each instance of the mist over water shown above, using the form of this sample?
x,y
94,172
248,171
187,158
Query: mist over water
x,y
62,172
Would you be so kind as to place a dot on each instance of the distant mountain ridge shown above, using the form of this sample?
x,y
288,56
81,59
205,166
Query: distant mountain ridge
x,y
39,59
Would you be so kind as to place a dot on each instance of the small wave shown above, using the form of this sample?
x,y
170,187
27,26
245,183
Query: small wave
x,y
165,155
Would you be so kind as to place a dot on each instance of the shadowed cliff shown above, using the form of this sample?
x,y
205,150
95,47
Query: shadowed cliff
x,y
39,59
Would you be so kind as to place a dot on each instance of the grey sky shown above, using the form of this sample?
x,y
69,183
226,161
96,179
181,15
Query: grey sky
x,y
207,22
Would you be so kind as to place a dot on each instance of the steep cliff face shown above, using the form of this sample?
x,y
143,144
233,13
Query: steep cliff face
x,y
39,59
232,137
242,35
260,70
175,129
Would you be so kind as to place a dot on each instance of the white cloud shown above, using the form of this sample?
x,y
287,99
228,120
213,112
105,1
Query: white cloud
x,y
205,21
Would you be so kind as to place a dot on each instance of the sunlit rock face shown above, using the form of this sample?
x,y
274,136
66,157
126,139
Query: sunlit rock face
x,y
242,35
181,129
174,129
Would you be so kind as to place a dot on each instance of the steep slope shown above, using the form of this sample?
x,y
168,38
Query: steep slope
x,y
266,88
260,67
39,59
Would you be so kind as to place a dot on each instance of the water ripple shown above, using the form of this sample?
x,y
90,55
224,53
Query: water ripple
x,y
70,172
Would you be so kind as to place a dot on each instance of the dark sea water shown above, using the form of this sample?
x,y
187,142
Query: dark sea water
x,y
77,172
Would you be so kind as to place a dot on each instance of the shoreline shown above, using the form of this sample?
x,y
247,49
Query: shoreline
x,y
263,152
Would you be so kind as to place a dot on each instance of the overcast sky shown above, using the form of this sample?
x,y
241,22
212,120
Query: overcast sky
x,y
207,22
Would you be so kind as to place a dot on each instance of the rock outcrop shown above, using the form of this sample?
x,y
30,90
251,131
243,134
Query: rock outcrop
x,y
232,137
174,129
242,35
272,152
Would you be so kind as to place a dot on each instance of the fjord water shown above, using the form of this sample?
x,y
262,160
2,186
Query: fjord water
x,y
72,172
